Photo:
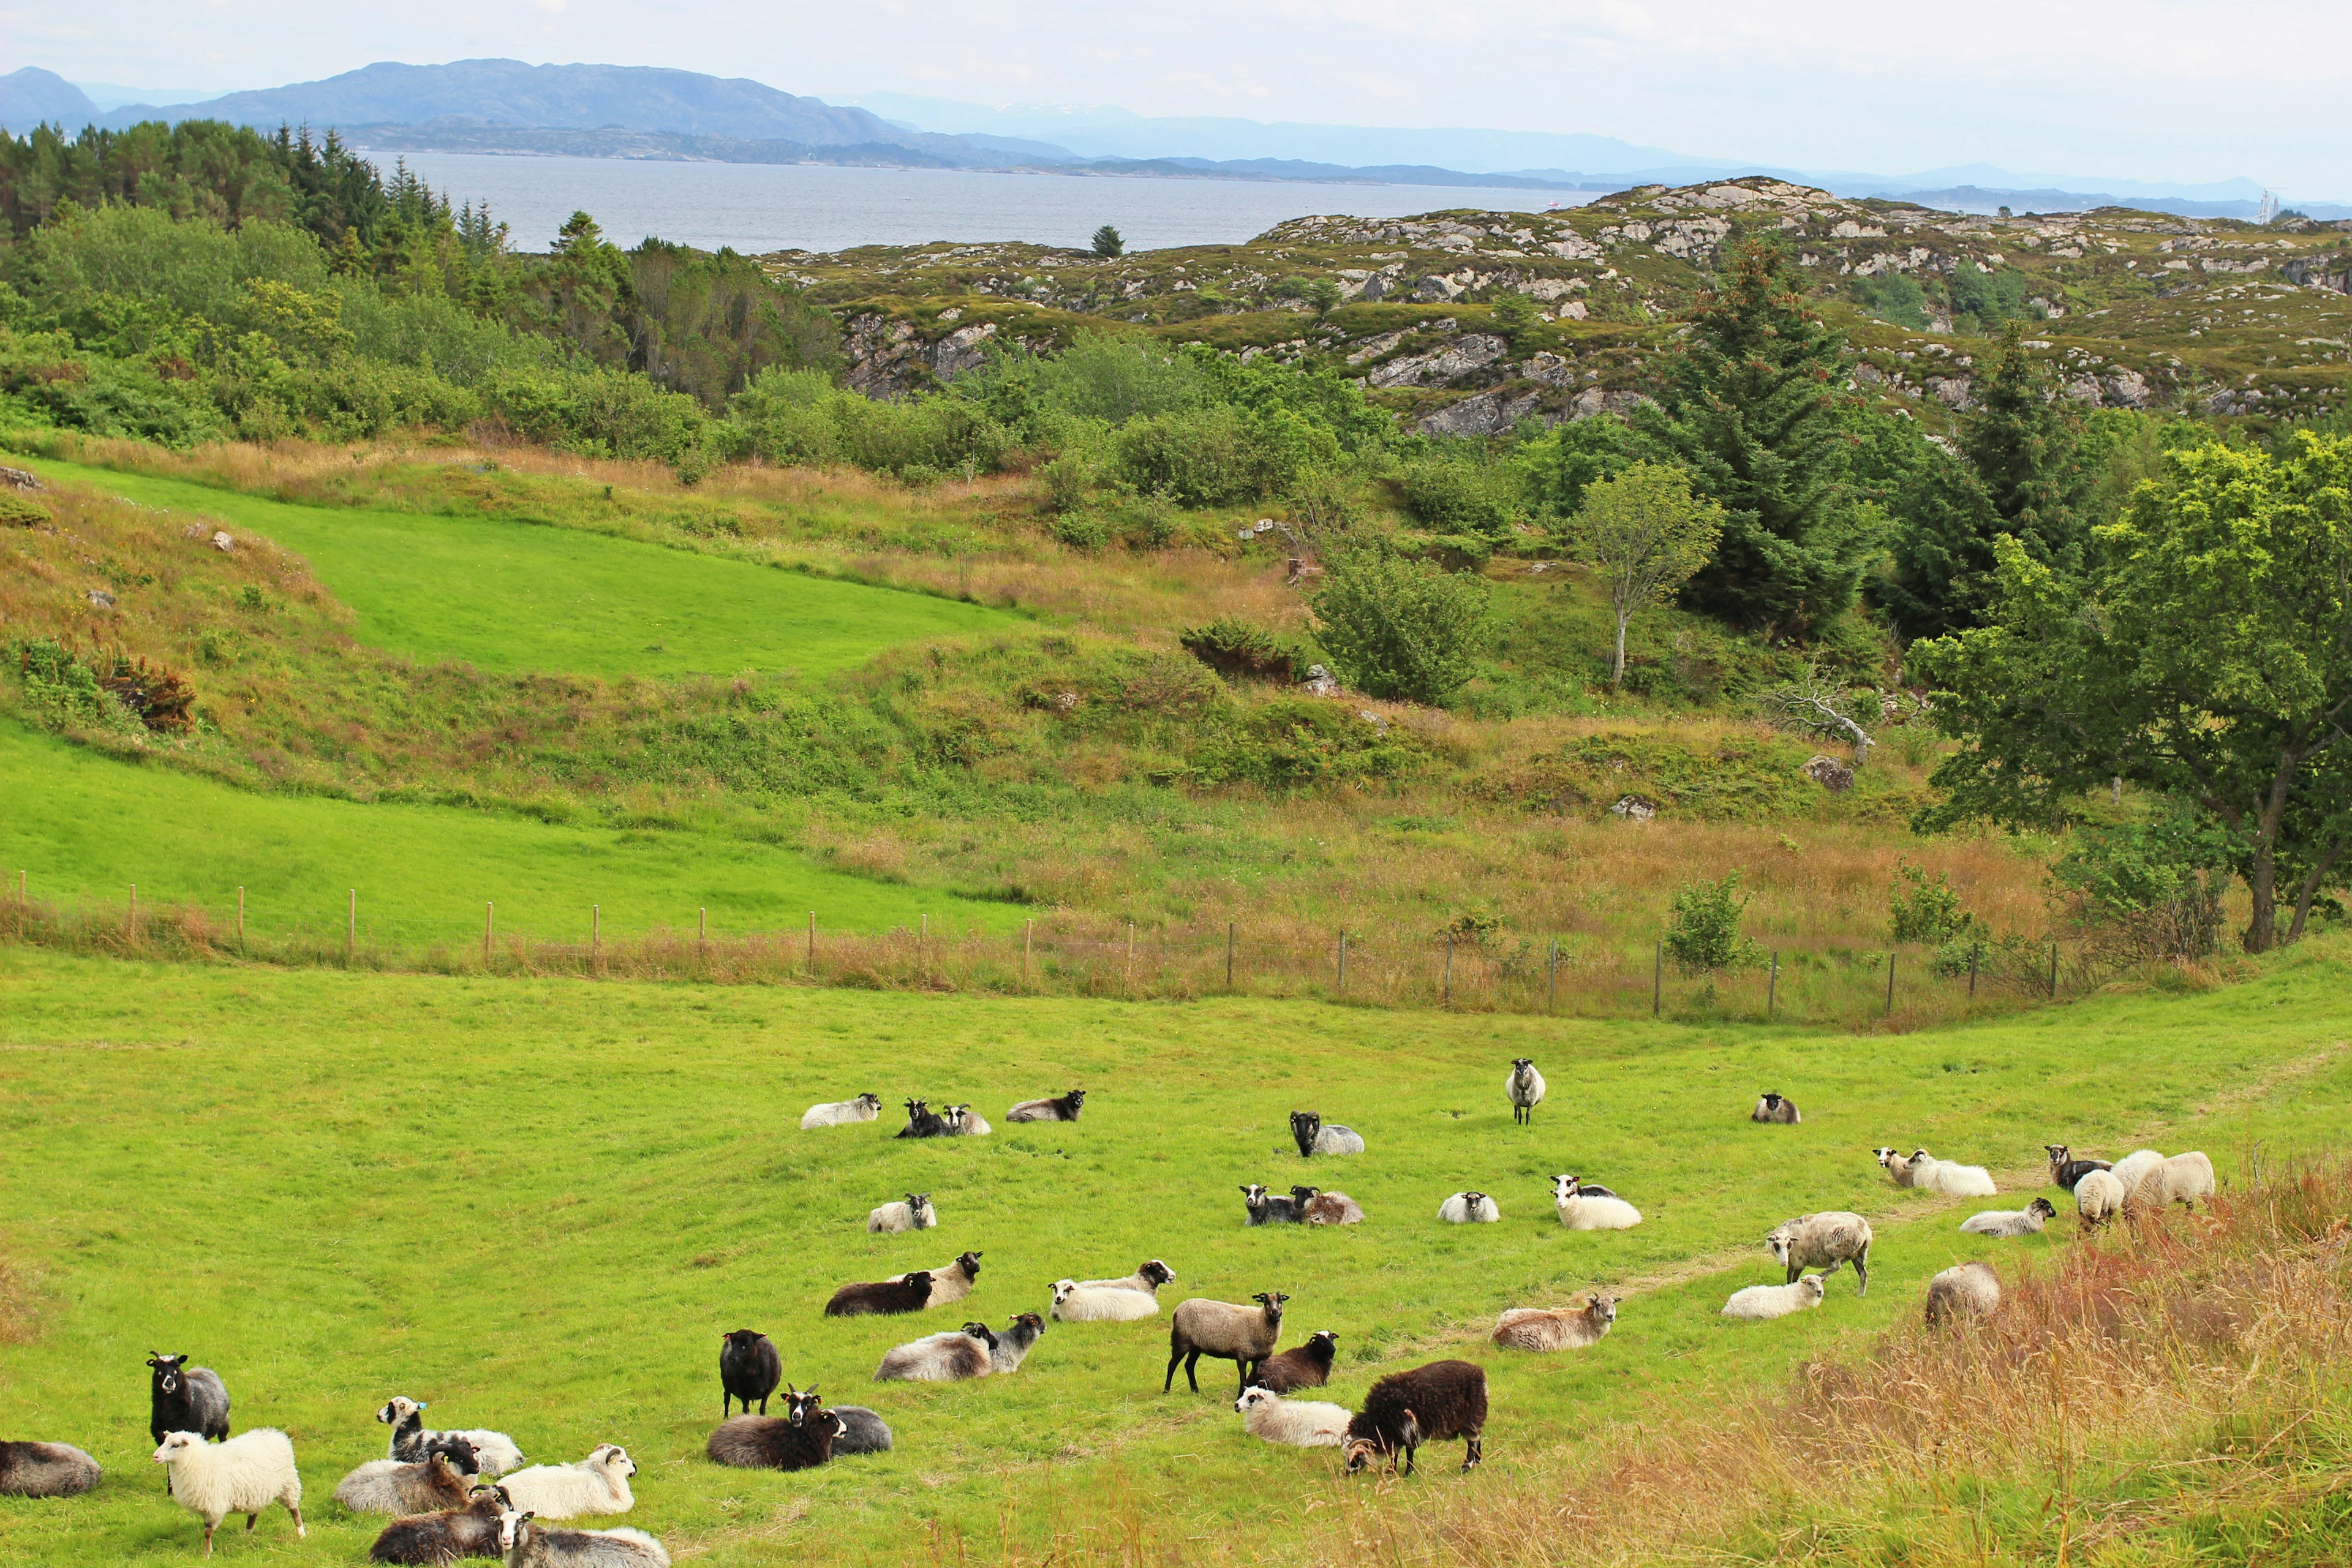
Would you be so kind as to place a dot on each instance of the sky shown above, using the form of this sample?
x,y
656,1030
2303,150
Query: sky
x,y
2153,89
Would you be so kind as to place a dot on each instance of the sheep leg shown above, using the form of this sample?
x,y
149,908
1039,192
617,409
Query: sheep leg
x,y
1475,1454
250,1520
299,1530
1174,1357
1861,1270
1408,1450
211,1524
1191,1370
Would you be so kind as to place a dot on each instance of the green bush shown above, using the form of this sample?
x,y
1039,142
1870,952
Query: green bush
x,y
1235,648
1401,628
2150,890
1702,935
1926,912
1302,741
1457,496
1080,529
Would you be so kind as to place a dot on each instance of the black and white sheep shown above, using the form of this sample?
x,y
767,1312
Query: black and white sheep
x,y
1270,1208
862,1431
390,1486
443,1538
802,1439
1558,1328
1317,1206
244,1474
45,1469
841,1112
1764,1301
749,1369
954,1282
1427,1404
1300,1367
597,1484
1777,1108
2065,1169
915,1214
1825,1241
2009,1224
1301,1423
1149,1276
1469,1208
922,1121
2098,1197
910,1292
963,1121
1306,1131
1112,1301
412,1440
1583,1208
1525,1088
1061,1107
977,1352
1242,1335
1963,1290
527,1543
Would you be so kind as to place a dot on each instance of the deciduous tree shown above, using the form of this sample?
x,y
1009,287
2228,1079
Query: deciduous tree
x,y
1644,535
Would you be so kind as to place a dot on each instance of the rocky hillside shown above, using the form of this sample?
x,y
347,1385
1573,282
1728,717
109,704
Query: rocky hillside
x,y
1467,321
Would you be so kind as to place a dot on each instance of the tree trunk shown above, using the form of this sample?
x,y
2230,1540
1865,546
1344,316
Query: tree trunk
x,y
2262,876
1617,665
2309,890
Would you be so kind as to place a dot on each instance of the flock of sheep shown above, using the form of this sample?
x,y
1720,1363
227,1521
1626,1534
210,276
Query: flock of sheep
x,y
467,1493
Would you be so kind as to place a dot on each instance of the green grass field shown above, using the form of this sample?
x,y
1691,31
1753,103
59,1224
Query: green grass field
x,y
538,1204
513,596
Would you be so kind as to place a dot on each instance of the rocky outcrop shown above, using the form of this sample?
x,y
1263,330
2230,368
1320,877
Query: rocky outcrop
x,y
1481,414
1433,367
889,358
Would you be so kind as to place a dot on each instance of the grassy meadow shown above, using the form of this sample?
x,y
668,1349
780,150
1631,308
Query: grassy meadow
x,y
536,1204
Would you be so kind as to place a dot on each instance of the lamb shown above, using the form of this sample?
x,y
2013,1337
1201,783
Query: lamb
x,y
1112,1301
922,1121
388,1485
2065,1170
1270,1208
965,1123
915,1214
910,1292
1242,1335
1954,1181
1061,1107
1823,1241
527,1543
1317,1206
2009,1224
1558,1328
1306,1130
2098,1198
2135,1165
45,1469
1147,1278
2180,1180
862,1431
801,1439
243,1475
184,1398
954,1282
749,1369
1469,1208
1526,1088
495,1452
1302,1422
1757,1302
1963,1290
443,1538
597,1484
1589,1209
1301,1366
1427,1404
1777,1108
841,1112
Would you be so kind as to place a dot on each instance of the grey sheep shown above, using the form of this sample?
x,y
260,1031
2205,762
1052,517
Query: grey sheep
x,y
45,1469
1306,1131
1242,1335
1525,1088
1823,1241
2009,1224
530,1544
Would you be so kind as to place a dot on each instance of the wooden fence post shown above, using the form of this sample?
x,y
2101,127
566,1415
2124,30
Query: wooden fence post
x,y
595,932
131,927
1229,956
1772,988
1343,961
1658,978
701,929
20,906
1131,955
1028,940
1973,951
1890,985
2053,971
489,928
812,946
351,927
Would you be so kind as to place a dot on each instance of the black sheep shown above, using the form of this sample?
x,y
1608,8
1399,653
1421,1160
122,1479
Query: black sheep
x,y
469,1531
1060,1107
2065,1170
749,1369
1429,1404
1301,1366
798,1441
922,1121
908,1293
1272,1208
185,1398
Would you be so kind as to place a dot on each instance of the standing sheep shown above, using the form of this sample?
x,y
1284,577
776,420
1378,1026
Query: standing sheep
x,y
2065,1170
1759,1302
1427,1404
2182,1179
749,1369
1270,1208
954,1282
2009,1224
1317,1206
1302,1422
597,1484
922,1121
1242,1335
963,1121
242,1475
440,1539
802,1439
1589,1209
184,1398
2135,1165
1963,1290
1061,1107
841,1112
1469,1208
388,1485
910,1292
1776,1108
915,1214
2098,1198
1525,1088
1300,1367
1823,1241
527,1543
494,1451
45,1469
1306,1131
1558,1328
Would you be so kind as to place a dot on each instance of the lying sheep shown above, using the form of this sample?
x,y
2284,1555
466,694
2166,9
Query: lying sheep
x,y
954,1282
922,1121
1469,1208
1317,1206
2008,1223
841,1112
1061,1107
411,1441
597,1484
528,1543
45,1469
1008,1350
910,1292
443,1538
963,1121
749,1369
1760,1301
2134,1166
1776,1108
1242,1335
1427,1404
1525,1088
1300,1367
1592,1208
1558,1328
2182,1179
976,1351
915,1214
1823,1241
2065,1170
1963,1290
1302,1422
806,1437
1928,1173
2098,1198
243,1475
388,1485
1147,1278
1306,1130
1076,1303
1270,1208
862,1431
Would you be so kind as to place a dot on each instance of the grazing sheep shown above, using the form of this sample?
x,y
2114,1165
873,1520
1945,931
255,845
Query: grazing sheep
x,y
597,1484
1061,1107
954,1282
45,1469
749,1369
841,1112
1242,1335
1526,1088
922,1121
1301,1423
910,1292
387,1486
2098,1198
963,1121
2065,1170
1760,1301
2135,1165
184,1398
1147,1278
807,1435
1306,1130
1317,1206
1954,1181
527,1543
1469,1208
1428,1405
1592,1208
494,1452
1270,1208
2180,1180
1823,1241
915,1214
1776,1108
862,1431
443,1538
2008,1223
243,1475
1300,1367
1558,1328
1963,1290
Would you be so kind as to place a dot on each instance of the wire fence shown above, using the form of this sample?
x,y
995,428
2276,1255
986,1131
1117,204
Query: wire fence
x,y
1814,983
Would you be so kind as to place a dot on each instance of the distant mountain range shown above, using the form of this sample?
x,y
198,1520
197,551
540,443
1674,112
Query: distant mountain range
x,y
643,111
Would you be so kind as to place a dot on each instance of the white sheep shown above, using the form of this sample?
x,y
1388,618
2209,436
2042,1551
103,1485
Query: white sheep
x,y
597,1484
1076,1303
1963,1290
243,1474
527,1543
1558,1328
963,1121
2134,1166
2182,1179
1469,1208
1147,1278
1761,1301
1525,1088
1954,1181
2098,1197
915,1214
1302,1422
1581,1211
841,1112
2009,1224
